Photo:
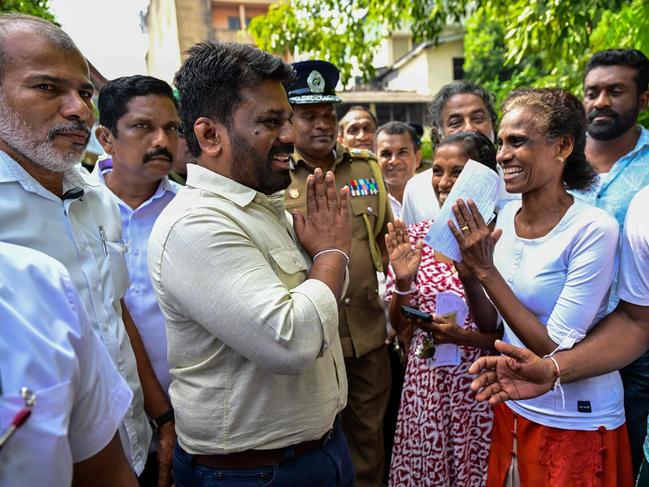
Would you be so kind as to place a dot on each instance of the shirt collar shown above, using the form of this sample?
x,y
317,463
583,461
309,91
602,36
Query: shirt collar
x,y
341,153
204,179
643,141
104,165
11,171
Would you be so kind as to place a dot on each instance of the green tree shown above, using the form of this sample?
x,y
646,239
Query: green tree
x,y
493,58
38,8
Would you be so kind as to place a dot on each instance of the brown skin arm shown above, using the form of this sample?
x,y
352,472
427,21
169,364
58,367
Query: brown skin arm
x,y
155,401
107,468
617,340
477,242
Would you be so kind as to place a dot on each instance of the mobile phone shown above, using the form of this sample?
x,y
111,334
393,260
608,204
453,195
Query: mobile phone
x,y
417,314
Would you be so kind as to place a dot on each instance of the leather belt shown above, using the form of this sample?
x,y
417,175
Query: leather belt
x,y
264,458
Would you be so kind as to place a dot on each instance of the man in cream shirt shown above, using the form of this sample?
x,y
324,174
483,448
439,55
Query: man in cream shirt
x,y
250,301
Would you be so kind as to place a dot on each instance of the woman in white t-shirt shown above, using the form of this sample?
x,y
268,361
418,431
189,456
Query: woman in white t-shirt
x,y
549,277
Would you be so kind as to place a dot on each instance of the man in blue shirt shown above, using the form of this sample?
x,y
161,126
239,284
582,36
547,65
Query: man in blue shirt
x,y
615,92
139,131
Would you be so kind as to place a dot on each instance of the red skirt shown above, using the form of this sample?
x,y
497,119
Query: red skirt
x,y
552,457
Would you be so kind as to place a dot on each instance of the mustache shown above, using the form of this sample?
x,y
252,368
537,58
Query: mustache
x,y
63,128
281,149
602,112
156,153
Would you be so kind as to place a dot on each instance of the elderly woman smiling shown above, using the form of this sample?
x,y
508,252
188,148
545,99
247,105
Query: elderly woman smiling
x,y
548,278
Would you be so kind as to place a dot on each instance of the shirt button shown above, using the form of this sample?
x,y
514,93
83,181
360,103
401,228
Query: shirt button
x,y
347,301
136,252
370,210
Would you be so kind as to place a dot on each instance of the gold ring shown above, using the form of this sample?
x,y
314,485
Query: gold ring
x,y
464,227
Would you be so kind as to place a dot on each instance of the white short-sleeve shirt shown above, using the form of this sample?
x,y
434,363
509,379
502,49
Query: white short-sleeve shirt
x,y
564,278
48,346
633,282
84,234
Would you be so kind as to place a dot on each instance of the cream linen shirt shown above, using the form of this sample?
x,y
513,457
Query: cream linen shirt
x,y
253,345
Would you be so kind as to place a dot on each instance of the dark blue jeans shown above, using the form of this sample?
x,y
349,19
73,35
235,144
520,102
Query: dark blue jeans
x,y
327,466
635,378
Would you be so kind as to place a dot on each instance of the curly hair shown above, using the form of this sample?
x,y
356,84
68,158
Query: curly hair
x,y
447,92
475,146
558,113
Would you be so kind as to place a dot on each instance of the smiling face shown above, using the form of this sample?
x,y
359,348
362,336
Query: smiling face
x,y
45,102
357,130
146,141
466,112
316,129
529,161
448,163
398,159
262,138
611,101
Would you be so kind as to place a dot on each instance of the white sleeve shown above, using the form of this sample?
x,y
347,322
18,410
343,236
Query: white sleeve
x,y
588,280
633,283
101,396
408,212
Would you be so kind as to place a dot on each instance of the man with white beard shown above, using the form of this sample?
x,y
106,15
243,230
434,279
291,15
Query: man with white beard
x,y
49,204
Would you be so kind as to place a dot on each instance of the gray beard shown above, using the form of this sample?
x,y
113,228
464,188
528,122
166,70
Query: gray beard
x,y
18,135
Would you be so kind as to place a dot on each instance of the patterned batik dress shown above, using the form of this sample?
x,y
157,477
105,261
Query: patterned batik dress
x,y
443,433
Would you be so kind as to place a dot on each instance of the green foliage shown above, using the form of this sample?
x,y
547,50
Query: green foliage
x,y
38,8
503,58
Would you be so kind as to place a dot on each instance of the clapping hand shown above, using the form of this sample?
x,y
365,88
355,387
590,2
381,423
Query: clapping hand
x,y
517,374
403,257
475,239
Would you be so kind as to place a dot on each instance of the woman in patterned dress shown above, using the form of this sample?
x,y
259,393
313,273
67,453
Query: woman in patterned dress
x,y
443,434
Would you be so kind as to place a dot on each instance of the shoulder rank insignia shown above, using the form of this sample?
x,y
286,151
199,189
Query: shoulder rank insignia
x,y
364,153
363,187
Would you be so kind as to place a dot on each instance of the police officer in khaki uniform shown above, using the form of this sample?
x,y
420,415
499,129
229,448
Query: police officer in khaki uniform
x,y
362,320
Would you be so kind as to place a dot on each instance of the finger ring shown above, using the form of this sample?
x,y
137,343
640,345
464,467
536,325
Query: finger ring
x,y
464,227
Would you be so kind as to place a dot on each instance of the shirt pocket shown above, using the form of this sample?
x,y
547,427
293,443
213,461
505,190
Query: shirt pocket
x,y
289,265
118,268
45,432
365,217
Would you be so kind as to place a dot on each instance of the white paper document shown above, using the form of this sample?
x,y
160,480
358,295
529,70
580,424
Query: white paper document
x,y
476,182
448,353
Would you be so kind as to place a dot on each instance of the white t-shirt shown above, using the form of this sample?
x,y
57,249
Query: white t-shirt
x,y
419,201
633,283
564,279
48,346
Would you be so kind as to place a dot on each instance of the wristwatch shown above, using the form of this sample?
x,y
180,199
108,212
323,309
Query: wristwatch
x,y
163,419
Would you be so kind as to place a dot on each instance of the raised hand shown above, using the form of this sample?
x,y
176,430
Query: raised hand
x,y
475,239
326,225
517,374
404,258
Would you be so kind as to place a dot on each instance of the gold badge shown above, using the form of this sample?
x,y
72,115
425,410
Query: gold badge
x,y
293,193
316,82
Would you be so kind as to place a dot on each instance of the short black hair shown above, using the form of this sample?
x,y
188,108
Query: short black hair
x,y
398,128
447,92
559,113
15,22
212,77
623,57
475,145
358,108
115,95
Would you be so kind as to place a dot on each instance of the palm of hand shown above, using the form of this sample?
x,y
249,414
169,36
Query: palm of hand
x,y
404,260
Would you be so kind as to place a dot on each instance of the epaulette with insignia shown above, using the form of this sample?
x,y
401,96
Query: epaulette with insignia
x,y
362,153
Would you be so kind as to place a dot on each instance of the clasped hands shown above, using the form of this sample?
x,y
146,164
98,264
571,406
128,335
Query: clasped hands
x,y
326,225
